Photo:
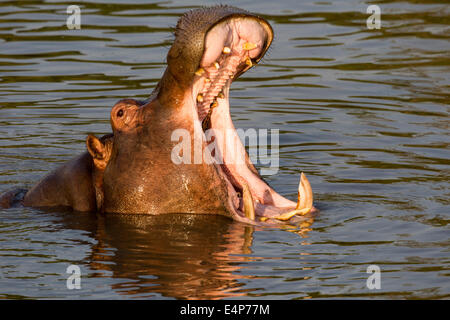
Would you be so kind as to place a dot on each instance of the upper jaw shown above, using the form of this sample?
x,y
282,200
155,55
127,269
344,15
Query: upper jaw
x,y
192,29
231,47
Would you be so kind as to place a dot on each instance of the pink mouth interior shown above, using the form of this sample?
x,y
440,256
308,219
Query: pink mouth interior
x,y
218,68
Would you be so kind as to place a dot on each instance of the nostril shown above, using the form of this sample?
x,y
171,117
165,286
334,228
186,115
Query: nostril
x,y
120,113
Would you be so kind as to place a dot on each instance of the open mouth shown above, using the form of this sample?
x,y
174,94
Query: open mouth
x,y
231,48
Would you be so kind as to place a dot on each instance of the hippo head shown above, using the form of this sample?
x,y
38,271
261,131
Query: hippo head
x,y
178,152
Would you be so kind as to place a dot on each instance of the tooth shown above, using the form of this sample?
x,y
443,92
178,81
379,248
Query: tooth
x,y
248,62
216,64
249,208
200,71
249,46
221,95
207,80
305,195
214,104
304,202
200,98
286,216
226,50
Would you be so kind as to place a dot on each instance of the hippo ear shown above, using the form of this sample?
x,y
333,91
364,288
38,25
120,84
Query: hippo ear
x,y
97,150
95,147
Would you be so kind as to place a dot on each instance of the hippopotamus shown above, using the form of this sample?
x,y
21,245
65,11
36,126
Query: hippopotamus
x,y
143,168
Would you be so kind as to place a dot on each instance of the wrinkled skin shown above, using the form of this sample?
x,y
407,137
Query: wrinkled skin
x,y
134,170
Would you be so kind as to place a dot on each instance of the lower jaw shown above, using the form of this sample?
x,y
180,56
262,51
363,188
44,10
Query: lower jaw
x,y
267,203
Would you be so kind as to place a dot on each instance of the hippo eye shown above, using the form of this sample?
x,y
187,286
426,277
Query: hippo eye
x,y
120,113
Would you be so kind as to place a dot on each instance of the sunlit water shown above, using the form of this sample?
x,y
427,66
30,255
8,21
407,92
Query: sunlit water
x,y
364,113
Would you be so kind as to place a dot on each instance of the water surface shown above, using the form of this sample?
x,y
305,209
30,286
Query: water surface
x,y
364,113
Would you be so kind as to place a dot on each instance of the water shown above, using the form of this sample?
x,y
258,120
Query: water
x,y
364,113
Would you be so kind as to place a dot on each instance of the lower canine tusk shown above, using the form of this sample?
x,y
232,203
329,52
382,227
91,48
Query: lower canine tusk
x,y
304,202
305,194
249,208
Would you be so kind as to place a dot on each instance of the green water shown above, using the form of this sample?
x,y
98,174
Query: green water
x,y
364,113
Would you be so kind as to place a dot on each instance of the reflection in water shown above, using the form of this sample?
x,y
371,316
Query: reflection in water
x,y
176,255
181,256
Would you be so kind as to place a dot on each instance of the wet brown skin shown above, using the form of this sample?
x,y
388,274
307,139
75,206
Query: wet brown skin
x,y
76,184
141,177
131,171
